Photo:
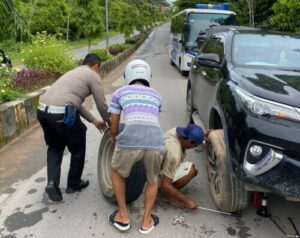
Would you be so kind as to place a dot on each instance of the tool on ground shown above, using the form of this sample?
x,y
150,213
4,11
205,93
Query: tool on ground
x,y
178,220
220,212
281,229
263,211
294,226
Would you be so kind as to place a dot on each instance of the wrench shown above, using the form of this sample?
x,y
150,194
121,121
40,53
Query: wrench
x,y
220,212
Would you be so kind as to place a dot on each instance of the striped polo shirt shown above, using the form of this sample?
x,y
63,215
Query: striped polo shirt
x,y
141,107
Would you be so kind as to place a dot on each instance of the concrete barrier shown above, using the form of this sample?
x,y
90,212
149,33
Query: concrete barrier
x,y
19,115
110,65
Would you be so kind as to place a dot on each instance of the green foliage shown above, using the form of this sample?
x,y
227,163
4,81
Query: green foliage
x,y
287,15
87,19
102,54
123,16
49,55
12,27
41,16
133,40
6,84
8,94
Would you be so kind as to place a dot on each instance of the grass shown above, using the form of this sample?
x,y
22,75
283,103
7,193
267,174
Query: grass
x,y
83,42
14,51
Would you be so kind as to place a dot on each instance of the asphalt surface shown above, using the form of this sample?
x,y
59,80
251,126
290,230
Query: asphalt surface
x,y
25,212
118,39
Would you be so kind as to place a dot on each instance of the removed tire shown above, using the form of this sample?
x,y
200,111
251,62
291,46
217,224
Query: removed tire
x,y
134,183
228,192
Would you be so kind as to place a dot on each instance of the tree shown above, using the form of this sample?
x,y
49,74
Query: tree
x,y
87,19
287,15
251,9
42,16
12,27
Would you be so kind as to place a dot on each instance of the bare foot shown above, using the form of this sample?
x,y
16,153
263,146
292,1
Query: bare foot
x,y
123,219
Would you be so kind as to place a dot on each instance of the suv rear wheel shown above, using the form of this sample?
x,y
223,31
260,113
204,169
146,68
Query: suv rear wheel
x,y
227,191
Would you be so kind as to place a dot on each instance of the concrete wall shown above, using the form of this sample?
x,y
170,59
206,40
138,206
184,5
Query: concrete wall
x,y
18,116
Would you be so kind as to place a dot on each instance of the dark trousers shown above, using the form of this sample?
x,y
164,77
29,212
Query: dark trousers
x,y
57,137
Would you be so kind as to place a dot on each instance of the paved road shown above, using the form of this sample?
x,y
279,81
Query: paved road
x,y
118,39
25,213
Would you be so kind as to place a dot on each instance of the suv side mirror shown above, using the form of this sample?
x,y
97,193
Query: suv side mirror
x,y
209,60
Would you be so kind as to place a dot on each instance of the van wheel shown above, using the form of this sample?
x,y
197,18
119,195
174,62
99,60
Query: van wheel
x,y
134,183
189,104
172,63
228,192
182,72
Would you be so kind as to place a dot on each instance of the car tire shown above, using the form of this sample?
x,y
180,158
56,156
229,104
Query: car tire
x,y
134,183
172,63
189,104
228,192
182,72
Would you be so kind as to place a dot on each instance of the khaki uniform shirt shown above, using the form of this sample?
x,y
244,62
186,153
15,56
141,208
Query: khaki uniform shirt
x,y
73,87
173,155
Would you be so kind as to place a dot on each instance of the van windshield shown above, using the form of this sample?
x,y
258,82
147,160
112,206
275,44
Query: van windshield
x,y
199,22
278,51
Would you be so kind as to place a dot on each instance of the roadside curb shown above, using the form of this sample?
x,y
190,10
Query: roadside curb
x,y
18,116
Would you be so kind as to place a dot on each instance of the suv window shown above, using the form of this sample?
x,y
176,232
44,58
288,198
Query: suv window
x,y
215,45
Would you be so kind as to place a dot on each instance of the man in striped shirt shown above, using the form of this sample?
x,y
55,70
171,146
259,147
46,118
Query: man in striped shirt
x,y
140,139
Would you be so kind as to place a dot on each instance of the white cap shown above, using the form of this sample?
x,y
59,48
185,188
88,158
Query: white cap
x,y
137,69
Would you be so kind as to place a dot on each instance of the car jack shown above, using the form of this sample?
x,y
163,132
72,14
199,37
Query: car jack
x,y
263,211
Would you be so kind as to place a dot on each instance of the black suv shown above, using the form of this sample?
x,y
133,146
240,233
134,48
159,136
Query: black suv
x,y
245,83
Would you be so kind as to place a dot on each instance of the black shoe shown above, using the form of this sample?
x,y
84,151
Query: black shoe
x,y
53,192
82,184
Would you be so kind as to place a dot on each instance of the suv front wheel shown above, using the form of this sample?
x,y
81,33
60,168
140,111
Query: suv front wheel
x,y
227,191
189,104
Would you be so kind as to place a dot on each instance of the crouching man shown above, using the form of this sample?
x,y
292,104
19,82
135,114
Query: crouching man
x,y
176,171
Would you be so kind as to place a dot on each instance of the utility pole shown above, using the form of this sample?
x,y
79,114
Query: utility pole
x,y
68,26
106,23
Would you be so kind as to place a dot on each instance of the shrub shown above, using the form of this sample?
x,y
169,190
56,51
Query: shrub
x,y
117,48
113,51
28,79
6,84
133,40
103,54
49,55
8,94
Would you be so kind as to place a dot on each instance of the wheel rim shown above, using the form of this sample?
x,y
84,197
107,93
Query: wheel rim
x,y
216,182
107,154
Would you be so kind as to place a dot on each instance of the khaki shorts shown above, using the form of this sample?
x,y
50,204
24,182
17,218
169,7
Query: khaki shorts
x,y
182,170
123,161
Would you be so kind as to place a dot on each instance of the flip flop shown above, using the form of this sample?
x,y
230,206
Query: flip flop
x,y
119,225
156,222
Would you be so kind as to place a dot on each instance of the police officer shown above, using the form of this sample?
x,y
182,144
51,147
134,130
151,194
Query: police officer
x,y
59,114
